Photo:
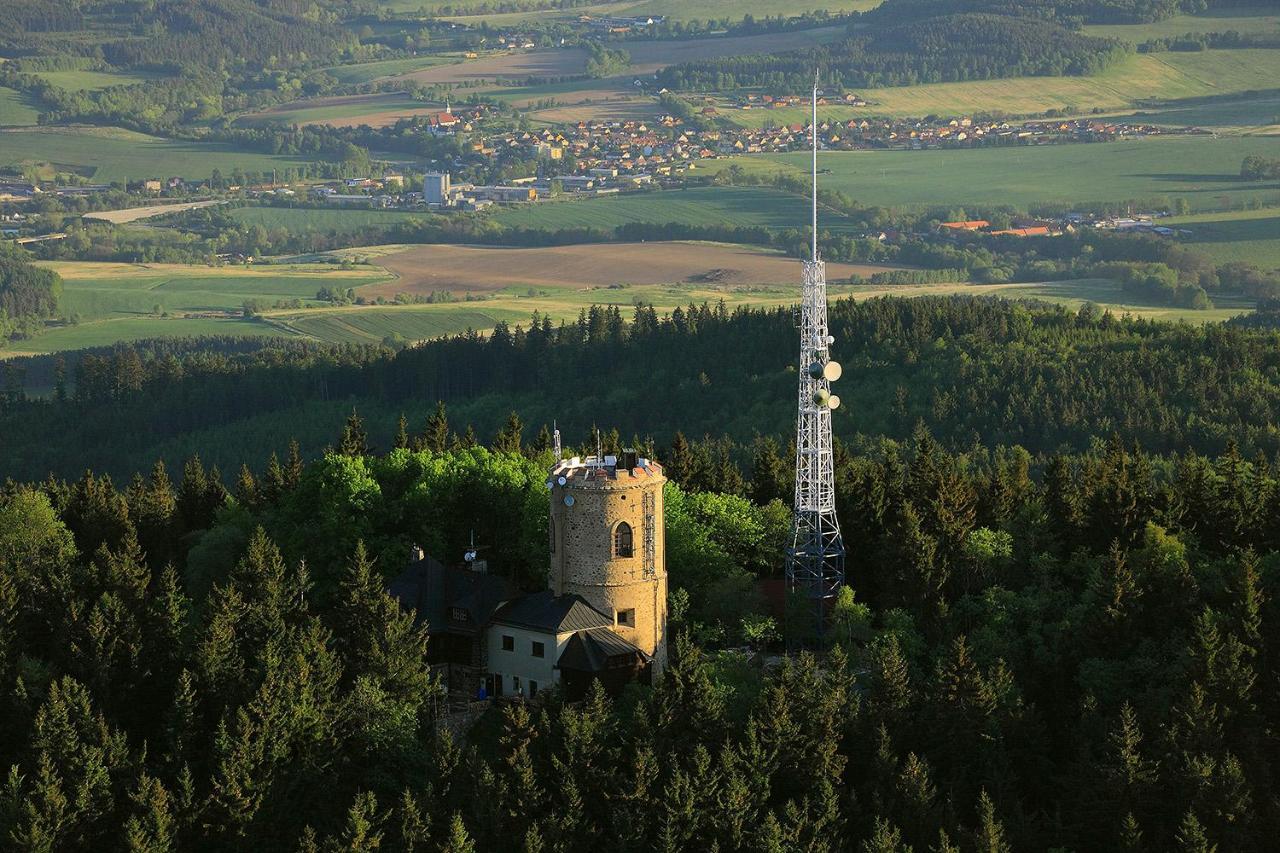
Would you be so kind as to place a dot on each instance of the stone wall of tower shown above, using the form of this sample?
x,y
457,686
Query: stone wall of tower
x,y
583,558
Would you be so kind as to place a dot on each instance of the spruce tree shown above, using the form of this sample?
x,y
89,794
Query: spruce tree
x,y
458,839
273,480
401,441
436,435
1191,837
153,828
354,440
509,437
989,836
246,490
293,466
886,838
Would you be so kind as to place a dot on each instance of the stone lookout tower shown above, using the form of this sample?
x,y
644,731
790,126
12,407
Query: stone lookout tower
x,y
608,544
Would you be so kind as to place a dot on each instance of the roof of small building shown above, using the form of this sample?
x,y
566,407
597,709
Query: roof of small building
x,y
554,614
591,650
431,588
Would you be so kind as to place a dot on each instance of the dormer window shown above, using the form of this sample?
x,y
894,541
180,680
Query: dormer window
x,y
622,544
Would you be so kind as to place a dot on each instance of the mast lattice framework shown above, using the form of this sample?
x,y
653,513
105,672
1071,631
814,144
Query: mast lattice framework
x,y
815,557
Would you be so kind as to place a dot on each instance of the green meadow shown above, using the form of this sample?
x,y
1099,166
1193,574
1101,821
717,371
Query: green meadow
x,y
1154,77
1231,114
93,81
681,10
364,72
126,329
1242,20
321,110
1202,169
745,206
113,154
1252,236
324,220
16,110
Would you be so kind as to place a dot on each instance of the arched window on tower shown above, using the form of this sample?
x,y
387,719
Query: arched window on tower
x,y
622,540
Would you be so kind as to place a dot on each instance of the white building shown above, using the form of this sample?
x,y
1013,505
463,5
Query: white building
x,y
435,188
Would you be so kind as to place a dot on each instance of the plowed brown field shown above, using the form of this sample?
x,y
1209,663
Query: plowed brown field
x,y
480,269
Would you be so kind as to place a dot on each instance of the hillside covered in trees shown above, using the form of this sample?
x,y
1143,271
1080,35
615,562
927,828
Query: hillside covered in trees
x,y
976,371
28,295
905,42
1083,658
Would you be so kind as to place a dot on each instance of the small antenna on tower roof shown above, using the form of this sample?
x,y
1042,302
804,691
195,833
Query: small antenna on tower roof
x,y
555,438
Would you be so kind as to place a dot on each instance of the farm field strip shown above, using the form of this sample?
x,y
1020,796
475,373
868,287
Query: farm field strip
x,y
16,109
93,81
1203,170
646,57
1251,236
680,10
106,291
324,219
113,154
375,110
1241,20
613,269
136,214
127,329
746,206
1149,76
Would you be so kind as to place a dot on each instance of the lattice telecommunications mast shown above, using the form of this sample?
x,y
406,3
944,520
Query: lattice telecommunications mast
x,y
815,557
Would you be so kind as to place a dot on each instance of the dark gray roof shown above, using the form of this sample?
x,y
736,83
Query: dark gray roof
x,y
590,650
555,614
433,589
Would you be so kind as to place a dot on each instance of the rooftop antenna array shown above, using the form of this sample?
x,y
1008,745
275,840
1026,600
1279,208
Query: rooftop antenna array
x,y
815,556
555,438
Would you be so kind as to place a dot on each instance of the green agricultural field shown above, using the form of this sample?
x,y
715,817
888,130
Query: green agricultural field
x,y
364,72
680,10
1137,79
337,219
118,302
100,291
1252,236
124,330
16,109
372,324
1108,296
1231,114
746,206
1242,20
360,325
374,110
113,154
1201,169
93,81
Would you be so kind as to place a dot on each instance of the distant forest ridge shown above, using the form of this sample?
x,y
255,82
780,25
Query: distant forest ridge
x,y
975,371
901,50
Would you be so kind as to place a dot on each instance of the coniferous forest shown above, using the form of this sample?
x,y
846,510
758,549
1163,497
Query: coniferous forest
x,y
1060,629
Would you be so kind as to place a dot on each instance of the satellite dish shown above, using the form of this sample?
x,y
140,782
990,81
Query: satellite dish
x,y
831,339
815,370
834,402
821,396
832,371
568,500
470,556
550,485
562,481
